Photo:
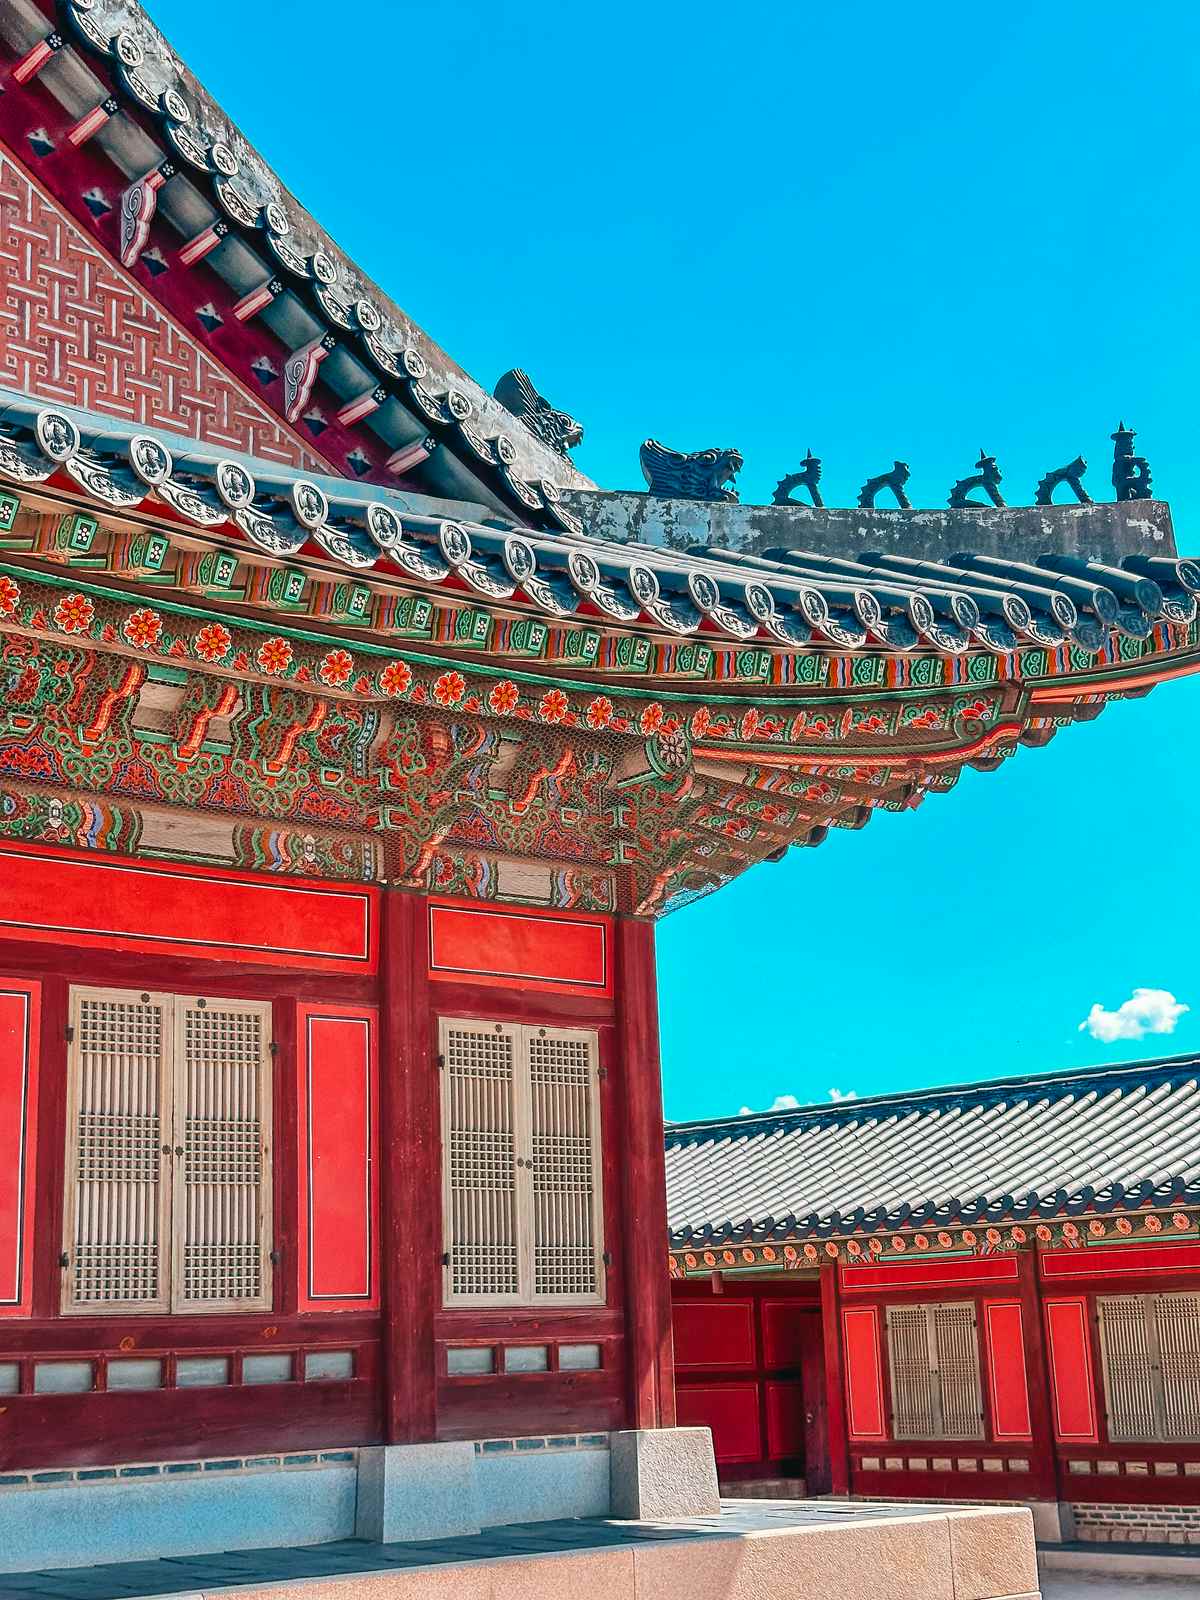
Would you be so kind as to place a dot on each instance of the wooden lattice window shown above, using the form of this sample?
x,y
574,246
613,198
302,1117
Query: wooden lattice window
x,y
521,1179
1150,1354
168,1197
933,1356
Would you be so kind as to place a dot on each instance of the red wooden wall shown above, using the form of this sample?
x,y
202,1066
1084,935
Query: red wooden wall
x,y
749,1364
357,978
1044,1427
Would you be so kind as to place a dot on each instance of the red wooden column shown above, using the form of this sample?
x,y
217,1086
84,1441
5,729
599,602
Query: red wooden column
x,y
647,1285
835,1381
1037,1368
411,1173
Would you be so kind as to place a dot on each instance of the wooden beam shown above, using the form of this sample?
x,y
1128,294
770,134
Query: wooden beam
x,y
92,121
409,456
257,299
300,374
32,62
138,205
362,406
203,244
835,1384
647,1287
411,1162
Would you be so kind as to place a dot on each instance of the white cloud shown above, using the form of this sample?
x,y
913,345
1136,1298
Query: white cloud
x,y
1146,1011
843,1094
781,1102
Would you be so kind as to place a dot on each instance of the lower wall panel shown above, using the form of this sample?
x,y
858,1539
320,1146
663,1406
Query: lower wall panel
x,y
307,1387
108,1429
516,1406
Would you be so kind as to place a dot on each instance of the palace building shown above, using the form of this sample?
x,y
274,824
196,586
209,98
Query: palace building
x,y
980,1293
351,743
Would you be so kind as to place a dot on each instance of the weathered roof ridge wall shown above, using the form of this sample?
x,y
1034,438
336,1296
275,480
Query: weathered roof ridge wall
x,y
1098,532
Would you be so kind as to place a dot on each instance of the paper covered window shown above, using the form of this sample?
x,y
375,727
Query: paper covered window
x,y
521,1143
933,1356
168,1180
1150,1354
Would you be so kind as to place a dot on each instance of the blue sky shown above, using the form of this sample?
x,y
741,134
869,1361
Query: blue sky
x,y
878,231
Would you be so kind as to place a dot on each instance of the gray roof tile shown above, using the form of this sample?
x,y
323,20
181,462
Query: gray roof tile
x,y
1105,1138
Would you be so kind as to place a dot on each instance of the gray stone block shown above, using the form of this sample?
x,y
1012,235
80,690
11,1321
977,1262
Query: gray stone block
x,y
542,1486
660,1473
417,1491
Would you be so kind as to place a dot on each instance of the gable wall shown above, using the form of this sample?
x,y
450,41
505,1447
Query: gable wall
x,y
77,330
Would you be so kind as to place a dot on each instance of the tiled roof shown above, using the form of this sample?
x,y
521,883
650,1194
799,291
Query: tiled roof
x,y
1104,1139
133,100
881,601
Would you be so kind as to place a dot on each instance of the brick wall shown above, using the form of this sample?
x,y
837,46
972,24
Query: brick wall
x,y
75,329
1137,1524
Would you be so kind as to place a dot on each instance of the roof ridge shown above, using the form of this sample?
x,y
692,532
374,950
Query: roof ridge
x,y
987,1088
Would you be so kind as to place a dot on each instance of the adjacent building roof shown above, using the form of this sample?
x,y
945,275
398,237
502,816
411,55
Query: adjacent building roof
x,y
1100,1140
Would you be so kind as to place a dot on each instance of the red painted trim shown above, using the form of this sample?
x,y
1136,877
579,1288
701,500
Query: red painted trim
x,y
20,1037
864,1373
337,1095
1072,1383
1120,1261
520,949
929,1274
1008,1384
106,902
644,1184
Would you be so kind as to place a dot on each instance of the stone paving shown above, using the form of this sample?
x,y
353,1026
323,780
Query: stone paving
x,y
191,1574
1116,1586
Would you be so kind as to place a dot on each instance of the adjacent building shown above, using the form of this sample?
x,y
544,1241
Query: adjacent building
x,y
987,1292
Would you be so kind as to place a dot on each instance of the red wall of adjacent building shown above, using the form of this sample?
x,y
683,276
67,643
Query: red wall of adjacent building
x,y
1045,1434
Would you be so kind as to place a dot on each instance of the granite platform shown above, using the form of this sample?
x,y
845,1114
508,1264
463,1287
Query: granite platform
x,y
749,1550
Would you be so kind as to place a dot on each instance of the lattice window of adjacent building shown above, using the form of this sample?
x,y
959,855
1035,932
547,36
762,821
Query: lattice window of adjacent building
x,y
168,1177
1150,1355
521,1143
933,1357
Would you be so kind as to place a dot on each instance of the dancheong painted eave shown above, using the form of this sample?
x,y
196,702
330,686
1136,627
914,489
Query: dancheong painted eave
x,y
695,711
1105,1152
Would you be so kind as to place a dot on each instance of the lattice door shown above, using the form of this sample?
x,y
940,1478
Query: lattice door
x,y
1178,1329
480,1111
956,1351
118,1160
1129,1378
565,1148
913,1415
222,1188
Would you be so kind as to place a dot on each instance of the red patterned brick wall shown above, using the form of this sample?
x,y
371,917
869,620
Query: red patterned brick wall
x,y
74,328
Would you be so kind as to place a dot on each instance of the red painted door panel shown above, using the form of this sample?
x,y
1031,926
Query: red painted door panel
x,y
1007,1383
785,1419
1071,1379
731,1411
337,1097
864,1373
713,1333
787,1328
19,1015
